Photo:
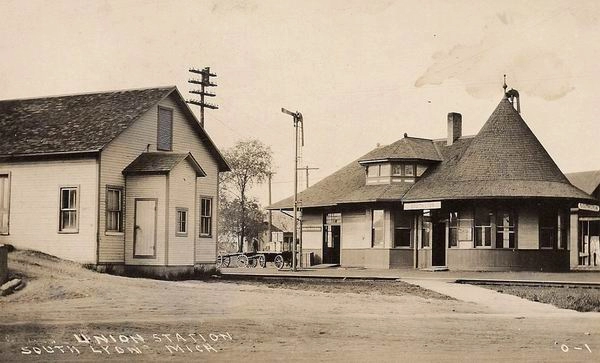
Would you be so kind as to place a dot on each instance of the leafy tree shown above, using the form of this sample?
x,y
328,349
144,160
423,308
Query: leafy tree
x,y
251,163
230,222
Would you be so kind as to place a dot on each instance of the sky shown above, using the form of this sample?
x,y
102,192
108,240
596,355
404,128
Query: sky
x,y
362,73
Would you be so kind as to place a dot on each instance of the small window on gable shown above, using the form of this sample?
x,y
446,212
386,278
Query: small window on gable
x,y
397,169
165,129
409,170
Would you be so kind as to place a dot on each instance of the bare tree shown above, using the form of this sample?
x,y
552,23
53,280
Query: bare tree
x,y
251,163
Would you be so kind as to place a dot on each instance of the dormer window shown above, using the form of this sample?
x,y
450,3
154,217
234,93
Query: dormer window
x,y
373,170
403,169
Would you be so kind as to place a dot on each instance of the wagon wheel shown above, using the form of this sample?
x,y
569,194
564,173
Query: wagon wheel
x,y
242,260
278,261
226,261
252,262
219,262
262,261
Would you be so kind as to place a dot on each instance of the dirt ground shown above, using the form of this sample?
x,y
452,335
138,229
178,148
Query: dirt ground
x,y
67,313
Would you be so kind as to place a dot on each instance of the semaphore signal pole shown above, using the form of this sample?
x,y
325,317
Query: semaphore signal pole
x,y
297,121
204,82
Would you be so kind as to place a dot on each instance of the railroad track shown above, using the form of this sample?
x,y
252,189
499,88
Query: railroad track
x,y
532,283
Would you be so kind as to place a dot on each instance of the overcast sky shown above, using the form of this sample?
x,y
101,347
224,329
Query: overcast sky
x,y
361,72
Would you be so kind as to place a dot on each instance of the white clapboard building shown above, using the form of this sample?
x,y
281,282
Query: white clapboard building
x,y
124,178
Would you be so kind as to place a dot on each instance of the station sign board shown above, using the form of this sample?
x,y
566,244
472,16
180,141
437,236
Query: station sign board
x,y
589,207
423,205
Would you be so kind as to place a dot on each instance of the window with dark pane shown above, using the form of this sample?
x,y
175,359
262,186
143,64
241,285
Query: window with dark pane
x,y
114,209
165,129
182,221
402,229
205,217
548,222
453,229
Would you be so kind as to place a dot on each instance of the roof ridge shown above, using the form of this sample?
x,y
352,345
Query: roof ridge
x,y
87,93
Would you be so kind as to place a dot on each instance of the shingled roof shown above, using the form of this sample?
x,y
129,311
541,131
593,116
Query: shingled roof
x,y
83,123
407,148
160,163
504,160
347,185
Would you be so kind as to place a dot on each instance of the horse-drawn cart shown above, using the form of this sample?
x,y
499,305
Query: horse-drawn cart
x,y
254,259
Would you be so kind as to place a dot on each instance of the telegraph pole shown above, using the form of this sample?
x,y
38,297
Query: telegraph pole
x,y
306,168
204,82
297,121
270,211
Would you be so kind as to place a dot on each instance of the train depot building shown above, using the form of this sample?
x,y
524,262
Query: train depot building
x,y
495,201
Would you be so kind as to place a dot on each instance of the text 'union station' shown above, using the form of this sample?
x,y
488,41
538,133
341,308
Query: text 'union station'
x,y
493,201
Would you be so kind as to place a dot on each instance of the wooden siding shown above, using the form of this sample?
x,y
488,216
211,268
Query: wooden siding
x,y
507,260
146,186
182,193
354,232
312,240
34,207
131,143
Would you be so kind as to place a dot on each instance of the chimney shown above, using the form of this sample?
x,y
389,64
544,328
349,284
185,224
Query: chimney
x,y
454,127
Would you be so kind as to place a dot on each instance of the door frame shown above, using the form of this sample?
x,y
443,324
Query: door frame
x,y
155,200
327,227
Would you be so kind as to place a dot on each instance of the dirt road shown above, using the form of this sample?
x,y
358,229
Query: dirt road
x,y
70,314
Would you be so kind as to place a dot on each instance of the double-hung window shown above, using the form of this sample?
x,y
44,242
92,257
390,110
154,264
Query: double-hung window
x,y
402,229
205,217
69,210
426,229
182,222
505,229
548,222
114,209
483,227
377,228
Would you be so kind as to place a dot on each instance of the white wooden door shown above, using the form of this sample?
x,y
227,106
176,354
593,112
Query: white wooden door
x,y
145,228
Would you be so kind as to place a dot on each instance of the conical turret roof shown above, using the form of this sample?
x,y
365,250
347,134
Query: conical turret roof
x,y
504,160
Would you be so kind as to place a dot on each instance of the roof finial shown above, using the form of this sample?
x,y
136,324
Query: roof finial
x,y
504,86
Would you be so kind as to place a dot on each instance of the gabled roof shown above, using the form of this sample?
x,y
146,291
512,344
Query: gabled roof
x,y
588,181
504,160
83,123
410,148
160,163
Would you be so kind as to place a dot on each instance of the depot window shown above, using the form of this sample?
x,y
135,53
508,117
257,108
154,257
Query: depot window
x,y
377,228
402,230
